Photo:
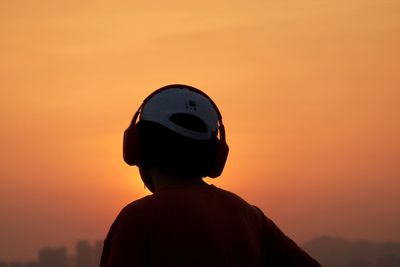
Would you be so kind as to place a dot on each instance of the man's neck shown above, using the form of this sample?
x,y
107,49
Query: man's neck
x,y
161,180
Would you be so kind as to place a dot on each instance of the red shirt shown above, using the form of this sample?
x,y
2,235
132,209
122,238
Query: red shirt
x,y
197,226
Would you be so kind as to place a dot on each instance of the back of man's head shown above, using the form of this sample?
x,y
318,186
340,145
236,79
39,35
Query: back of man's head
x,y
177,133
174,154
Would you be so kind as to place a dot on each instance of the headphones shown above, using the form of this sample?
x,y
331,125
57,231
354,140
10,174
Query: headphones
x,y
132,147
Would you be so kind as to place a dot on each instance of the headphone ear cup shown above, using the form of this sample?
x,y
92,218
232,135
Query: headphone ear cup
x,y
218,164
132,150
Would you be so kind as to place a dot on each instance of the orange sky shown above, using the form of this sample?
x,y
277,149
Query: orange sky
x,y
309,92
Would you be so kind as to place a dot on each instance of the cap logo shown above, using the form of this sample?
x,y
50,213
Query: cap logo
x,y
191,105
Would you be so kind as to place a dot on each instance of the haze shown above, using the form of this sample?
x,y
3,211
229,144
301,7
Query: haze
x,y
309,93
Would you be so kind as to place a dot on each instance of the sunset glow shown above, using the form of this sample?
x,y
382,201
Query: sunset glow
x,y
309,94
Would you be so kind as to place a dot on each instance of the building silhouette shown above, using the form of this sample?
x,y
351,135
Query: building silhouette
x,y
53,257
84,254
97,250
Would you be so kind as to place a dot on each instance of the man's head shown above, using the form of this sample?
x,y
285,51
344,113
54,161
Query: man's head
x,y
177,133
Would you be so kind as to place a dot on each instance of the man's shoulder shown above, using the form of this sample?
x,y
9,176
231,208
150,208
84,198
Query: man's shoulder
x,y
223,193
231,195
137,207
238,200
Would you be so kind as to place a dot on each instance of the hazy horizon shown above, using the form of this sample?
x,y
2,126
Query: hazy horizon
x,y
71,249
308,90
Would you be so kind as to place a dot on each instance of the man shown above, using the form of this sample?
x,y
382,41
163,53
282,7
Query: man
x,y
179,139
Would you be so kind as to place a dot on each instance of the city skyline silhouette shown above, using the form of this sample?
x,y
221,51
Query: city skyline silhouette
x,y
329,250
85,254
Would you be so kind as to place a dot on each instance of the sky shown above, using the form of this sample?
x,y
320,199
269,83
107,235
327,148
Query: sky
x,y
308,90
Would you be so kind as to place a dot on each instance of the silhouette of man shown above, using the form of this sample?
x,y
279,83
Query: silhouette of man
x,y
178,139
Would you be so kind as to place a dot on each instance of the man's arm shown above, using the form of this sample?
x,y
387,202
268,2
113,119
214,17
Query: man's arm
x,y
280,250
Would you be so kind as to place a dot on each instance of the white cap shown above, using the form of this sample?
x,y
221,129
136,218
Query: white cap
x,y
160,107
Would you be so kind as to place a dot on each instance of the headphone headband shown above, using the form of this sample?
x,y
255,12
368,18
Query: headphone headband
x,y
221,126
